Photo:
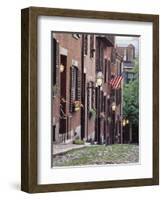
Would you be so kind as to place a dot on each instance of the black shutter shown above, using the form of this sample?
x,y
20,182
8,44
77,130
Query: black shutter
x,y
55,64
91,45
97,54
109,71
85,44
78,85
71,88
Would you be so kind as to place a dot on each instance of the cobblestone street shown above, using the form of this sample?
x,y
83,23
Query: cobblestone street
x,y
98,155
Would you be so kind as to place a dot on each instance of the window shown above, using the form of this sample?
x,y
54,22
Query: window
x,y
55,66
105,71
101,56
90,95
109,71
113,55
85,44
92,46
118,96
130,75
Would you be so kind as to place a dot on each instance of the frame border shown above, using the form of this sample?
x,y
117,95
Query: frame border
x,y
29,99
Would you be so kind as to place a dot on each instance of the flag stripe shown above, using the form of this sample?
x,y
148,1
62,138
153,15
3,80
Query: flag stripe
x,y
116,81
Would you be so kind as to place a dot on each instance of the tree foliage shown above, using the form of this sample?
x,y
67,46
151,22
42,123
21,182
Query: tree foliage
x,y
131,97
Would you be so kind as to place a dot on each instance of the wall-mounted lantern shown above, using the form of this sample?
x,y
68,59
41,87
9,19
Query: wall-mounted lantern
x,y
99,79
113,106
62,67
124,122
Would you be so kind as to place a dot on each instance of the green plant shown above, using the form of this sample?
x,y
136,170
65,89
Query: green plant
x,y
131,98
78,141
92,113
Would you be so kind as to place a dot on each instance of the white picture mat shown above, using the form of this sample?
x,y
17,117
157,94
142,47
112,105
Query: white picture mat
x,y
48,175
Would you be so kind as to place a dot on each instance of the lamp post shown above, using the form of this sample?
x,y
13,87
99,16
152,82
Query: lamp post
x,y
99,82
127,121
113,116
125,124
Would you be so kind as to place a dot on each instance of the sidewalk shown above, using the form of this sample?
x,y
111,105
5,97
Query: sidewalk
x,y
62,148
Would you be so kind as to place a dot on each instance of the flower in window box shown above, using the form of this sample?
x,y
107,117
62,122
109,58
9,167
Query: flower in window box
x,y
76,106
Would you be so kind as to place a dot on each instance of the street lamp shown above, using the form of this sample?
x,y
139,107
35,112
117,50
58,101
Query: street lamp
x,y
113,116
99,81
124,122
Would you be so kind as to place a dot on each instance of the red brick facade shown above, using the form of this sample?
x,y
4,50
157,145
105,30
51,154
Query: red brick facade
x,y
81,107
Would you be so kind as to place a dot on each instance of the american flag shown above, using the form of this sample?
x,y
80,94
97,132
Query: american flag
x,y
115,82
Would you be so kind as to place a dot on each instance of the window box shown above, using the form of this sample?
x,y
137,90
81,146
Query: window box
x,y
76,106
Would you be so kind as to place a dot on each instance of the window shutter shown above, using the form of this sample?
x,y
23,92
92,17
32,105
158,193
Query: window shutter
x,y
72,93
85,44
78,85
91,45
56,61
109,71
97,54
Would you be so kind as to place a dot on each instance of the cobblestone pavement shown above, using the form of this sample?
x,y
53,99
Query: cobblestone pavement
x,y
96,154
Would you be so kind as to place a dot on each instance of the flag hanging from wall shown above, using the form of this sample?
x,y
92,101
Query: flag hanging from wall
x,y
115,82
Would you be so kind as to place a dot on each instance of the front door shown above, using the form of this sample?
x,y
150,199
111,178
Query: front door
x,y
63,98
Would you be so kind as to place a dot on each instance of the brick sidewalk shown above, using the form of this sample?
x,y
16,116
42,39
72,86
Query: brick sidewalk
x,y
62,148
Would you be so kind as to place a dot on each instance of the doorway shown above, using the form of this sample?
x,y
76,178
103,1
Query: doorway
x,y
63,98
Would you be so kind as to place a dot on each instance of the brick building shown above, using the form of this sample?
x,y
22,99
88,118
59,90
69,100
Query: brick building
x,y
66,66
128,54
117,98
104,48
85,105
88,87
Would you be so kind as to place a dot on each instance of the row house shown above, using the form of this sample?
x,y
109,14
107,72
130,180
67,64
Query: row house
x,y
117,97
88,111
85,103
109,113
130,133
66,67
104,47
128,54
